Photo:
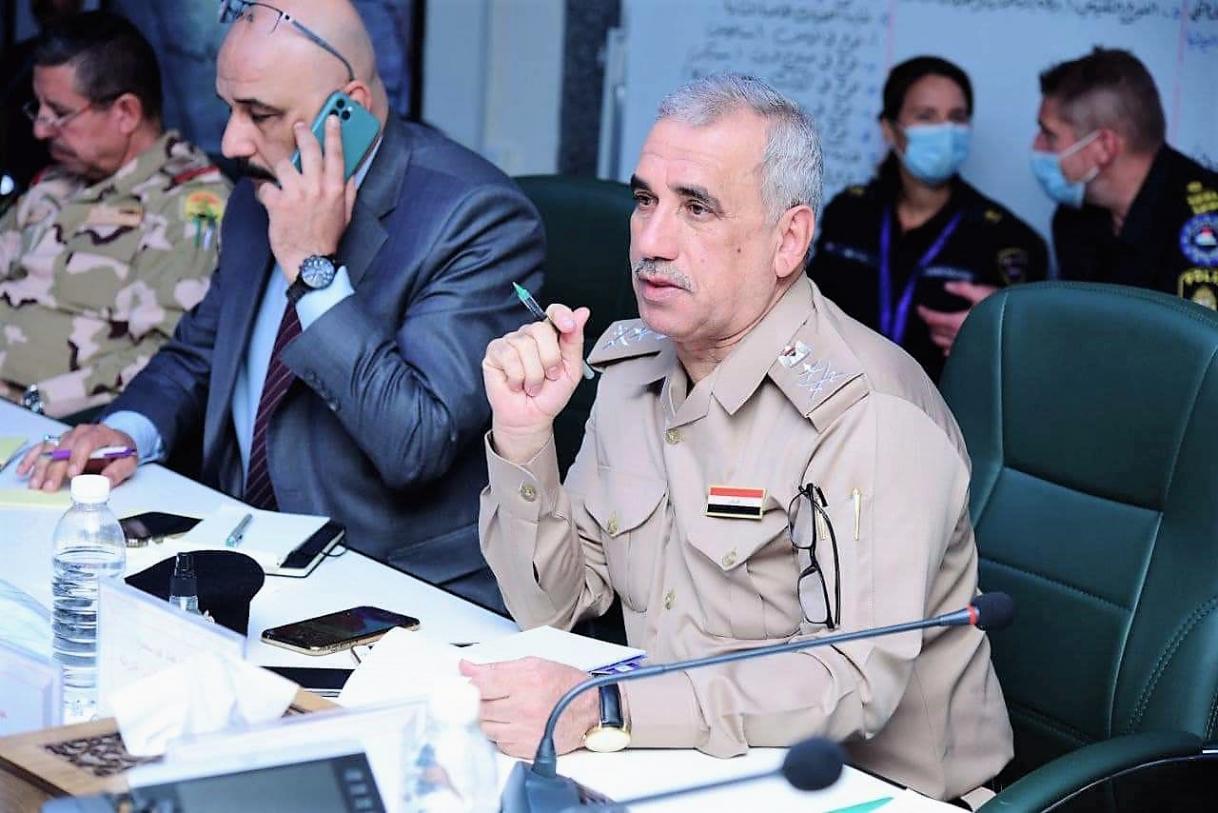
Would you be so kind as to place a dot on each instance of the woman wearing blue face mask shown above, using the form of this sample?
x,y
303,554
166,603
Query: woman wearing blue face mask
x,y
912,251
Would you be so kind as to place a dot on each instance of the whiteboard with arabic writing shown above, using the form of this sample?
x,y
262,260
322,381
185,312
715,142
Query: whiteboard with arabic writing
x,y
833,56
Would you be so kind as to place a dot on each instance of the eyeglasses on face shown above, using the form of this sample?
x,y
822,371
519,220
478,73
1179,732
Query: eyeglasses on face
x,y
31,108
266,18
807,523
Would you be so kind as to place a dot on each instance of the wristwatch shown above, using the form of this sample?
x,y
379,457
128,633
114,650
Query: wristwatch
x,y
316,272
611,734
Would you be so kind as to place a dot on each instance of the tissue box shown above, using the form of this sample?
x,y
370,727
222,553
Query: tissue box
x,y
79,760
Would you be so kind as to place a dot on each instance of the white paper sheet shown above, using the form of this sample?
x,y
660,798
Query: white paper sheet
x,y
139,634
406,665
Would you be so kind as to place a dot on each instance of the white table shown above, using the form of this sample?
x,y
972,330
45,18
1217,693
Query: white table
x,y
353,579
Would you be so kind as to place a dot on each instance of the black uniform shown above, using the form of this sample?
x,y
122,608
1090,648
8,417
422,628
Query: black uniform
x,y
987,245
1169,240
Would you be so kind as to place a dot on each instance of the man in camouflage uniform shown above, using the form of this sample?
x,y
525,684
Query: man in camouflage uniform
x,y
117,239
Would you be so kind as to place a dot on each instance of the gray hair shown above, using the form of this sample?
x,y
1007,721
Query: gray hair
x,y
792,167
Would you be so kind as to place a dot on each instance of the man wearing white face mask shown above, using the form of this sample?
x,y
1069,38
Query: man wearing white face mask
x,y
910,253
1133,210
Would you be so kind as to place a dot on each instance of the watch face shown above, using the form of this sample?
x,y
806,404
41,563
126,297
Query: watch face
x,y
606,739
317,272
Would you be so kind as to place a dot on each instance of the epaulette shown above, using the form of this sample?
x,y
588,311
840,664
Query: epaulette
x,y
191,174
626,339
819,375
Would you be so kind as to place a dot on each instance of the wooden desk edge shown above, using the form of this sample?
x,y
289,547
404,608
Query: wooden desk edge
x,y
30,774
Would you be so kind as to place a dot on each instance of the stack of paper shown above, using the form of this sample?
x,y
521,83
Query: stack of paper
x,y
405,665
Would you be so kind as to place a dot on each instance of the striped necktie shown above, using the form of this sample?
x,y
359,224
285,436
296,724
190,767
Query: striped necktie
x,y
258,490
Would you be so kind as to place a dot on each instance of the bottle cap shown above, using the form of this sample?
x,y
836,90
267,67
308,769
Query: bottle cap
x,y
455,702
90,489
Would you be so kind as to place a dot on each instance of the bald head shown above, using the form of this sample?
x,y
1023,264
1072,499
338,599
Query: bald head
x,y
288,53
274,72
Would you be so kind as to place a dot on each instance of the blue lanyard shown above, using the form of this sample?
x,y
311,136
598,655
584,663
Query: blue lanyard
x,y
892,320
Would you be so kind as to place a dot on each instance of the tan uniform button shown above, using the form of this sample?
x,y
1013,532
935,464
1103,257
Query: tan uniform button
x,y
613,526
672,437
729,558
670,598
528,492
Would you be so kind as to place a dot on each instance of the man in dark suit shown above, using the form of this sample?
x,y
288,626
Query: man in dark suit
x,y
333,367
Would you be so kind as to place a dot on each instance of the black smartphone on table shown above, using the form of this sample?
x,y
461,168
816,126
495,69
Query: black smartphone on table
x,y
154,526
335,632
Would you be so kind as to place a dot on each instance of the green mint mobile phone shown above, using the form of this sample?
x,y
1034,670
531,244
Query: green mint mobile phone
x,y
359,128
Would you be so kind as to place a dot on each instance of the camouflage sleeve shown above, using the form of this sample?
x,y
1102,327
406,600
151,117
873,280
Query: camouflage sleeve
x,y
169,275
10,242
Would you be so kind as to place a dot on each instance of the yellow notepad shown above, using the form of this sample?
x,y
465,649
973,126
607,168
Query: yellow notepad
x,y
9,446
26,498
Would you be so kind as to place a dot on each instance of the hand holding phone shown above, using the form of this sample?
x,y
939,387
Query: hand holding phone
x,y
310,208
359,130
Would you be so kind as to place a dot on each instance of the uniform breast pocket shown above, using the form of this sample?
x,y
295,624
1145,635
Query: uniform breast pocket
x,y
746,572
96,265
631,512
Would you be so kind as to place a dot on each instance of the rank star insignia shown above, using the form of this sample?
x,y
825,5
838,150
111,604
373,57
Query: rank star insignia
x,y
816,376
624,335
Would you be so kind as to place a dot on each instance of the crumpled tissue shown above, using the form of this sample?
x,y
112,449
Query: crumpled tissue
x,y
204,694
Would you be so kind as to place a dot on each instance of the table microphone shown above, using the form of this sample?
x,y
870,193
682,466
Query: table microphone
x,y
811,764
538,788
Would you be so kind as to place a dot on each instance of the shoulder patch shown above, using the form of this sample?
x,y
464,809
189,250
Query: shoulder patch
x,y
1199,240
627,339
993,216
856,190
202,205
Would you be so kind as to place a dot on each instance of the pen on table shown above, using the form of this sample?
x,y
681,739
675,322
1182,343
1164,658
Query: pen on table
x,y
104,453
529,302
234,538
864,807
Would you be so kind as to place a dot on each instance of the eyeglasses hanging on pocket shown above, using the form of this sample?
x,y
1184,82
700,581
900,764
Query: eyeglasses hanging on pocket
x,y
808,523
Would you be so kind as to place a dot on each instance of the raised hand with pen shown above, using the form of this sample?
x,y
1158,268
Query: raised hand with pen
x,y
530,375
95,448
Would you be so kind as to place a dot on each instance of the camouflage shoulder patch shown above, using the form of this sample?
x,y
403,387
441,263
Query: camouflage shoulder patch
x,y
627,339
202,205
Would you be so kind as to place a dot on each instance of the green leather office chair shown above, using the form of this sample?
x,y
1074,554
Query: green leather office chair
x,y
587,224
1091,416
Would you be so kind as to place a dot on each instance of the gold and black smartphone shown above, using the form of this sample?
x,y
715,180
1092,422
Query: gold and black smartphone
x,y
335,632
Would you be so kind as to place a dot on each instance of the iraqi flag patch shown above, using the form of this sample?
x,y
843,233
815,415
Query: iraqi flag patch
x,y
735,502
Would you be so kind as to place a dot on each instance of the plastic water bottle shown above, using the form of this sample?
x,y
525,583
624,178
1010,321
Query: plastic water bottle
x,y
452,769
89,545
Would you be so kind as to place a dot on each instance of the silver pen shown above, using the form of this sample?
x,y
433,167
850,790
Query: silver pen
x,y
234,538
526,298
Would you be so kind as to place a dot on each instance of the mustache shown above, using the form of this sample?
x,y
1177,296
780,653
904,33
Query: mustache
x,y
650,270
248,169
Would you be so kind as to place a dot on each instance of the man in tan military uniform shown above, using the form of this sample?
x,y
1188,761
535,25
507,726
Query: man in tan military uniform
x,y
113,243
740,385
